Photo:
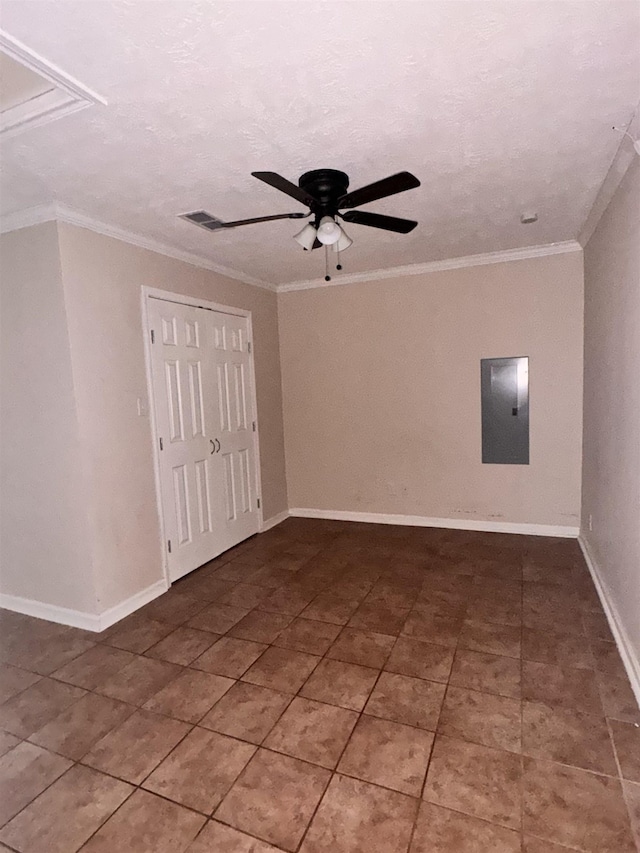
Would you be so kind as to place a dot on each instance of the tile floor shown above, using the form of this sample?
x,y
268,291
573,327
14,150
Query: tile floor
x,y
330,687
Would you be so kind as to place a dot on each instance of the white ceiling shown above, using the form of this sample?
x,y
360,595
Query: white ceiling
x,y
498,107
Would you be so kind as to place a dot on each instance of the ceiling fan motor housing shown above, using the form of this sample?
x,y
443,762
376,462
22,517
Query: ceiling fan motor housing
x,y
327,186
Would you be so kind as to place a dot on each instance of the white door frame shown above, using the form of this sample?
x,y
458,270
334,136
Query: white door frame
x,y
148,293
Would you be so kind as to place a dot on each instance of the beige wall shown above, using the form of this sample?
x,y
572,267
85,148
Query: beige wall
x,y
382,392
611,467
102,280
45,549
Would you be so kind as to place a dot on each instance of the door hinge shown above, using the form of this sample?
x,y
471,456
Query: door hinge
x,y
153,337
254,426
258,503
248,346
161,447
169,545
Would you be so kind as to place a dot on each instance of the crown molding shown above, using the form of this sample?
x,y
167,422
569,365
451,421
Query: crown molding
x,y
27,218
67,97
620,164
438,266
62,213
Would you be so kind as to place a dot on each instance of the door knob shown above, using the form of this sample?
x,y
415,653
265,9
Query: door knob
x,y
215,445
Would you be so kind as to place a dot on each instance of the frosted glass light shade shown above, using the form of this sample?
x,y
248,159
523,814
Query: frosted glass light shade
x,y
307,237
328,231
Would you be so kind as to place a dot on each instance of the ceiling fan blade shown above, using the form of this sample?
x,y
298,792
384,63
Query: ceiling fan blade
x,y
236,222
285,186
380,189
377,220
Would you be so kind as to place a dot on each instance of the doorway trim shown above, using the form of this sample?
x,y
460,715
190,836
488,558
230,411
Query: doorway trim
x,y
148,293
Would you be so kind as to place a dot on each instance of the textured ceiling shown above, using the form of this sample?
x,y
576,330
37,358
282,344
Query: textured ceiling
x,y
498,107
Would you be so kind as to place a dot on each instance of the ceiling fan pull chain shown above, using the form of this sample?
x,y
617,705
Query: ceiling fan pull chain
x,y
327,277
338,264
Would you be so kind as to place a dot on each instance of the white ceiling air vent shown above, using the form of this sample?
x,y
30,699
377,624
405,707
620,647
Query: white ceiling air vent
x,y
203,219
34,92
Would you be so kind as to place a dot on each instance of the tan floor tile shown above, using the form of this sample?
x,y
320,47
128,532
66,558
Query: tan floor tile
x,y
476,780
287,600
45,825
337,683
244,595
182,646
439,629
304,635
562,687
147,823
32,709
596,626
7,742
607,659
200,770
94,667
389,754
555,647
247,711
618,698
327,607
481,718
375,616
537,845
24,773
487,673
56,646
626,737
420,659
312,731
174,607
74,731
344,824
632,797
230,657
189,696
282,669
14,680
362,647
440,830
406,700
275,798
495,610
575,808
218,618
261,627
137,634
490,638
568,737
218,838
136,747
139,680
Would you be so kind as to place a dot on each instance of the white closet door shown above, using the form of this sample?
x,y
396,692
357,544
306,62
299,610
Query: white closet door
x,y
201,374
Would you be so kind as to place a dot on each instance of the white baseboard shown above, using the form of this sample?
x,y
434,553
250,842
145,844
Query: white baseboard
x,y
274,520
628,654
452,523
50,612
80,619
109,617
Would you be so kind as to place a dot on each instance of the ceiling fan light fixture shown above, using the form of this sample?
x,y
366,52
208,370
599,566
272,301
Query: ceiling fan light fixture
x,y
329,232
343,242
307,237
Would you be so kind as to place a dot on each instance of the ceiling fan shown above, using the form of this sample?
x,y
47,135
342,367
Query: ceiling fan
x,y
324,192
